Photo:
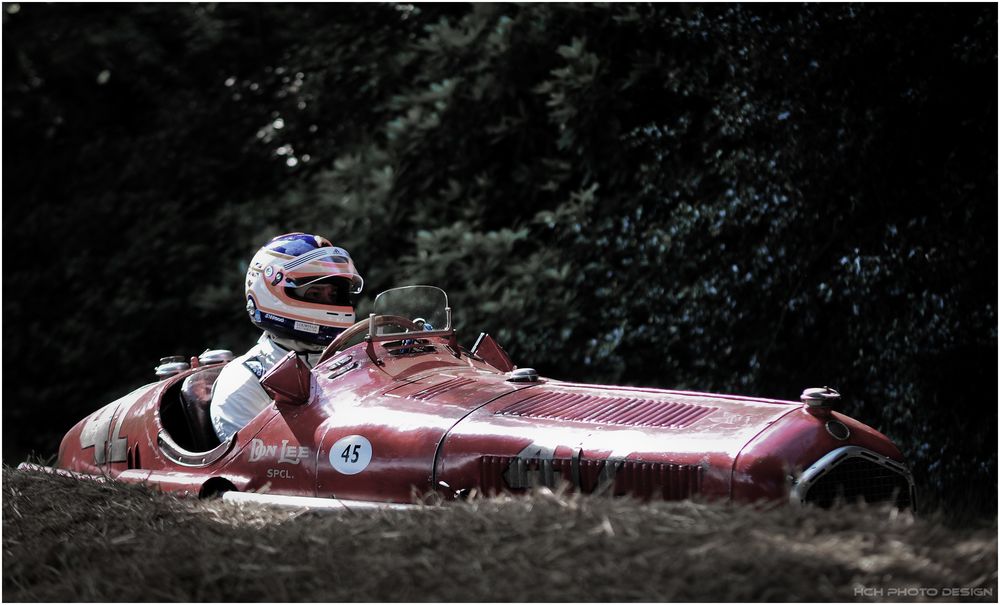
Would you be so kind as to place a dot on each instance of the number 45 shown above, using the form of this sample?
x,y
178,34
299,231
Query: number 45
x,y
350,453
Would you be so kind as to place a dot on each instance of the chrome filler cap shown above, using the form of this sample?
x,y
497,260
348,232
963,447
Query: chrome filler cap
x,y
523,375
820,400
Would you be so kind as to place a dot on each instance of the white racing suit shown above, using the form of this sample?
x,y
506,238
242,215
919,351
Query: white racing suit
x,y
237,396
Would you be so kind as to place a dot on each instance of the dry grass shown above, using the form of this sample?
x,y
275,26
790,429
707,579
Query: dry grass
x,y
65,540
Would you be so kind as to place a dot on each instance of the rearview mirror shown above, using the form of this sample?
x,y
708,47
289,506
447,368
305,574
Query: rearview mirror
x,y
289,381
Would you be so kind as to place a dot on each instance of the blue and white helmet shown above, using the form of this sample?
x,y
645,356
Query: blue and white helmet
x,y
300,286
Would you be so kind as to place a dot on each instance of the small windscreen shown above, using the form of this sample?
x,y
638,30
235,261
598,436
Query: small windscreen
x,y
411,309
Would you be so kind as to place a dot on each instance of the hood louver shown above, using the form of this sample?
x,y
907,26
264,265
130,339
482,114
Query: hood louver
x,y
626,411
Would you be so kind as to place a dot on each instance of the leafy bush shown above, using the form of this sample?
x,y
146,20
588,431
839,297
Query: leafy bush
x,y
737,198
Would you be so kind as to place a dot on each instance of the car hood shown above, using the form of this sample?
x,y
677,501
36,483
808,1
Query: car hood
x,y
632,422
615,421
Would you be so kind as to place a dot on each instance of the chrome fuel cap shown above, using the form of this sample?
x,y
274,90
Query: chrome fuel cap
x,y
523,375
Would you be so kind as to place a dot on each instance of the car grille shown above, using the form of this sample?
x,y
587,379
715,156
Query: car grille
x,y
858,479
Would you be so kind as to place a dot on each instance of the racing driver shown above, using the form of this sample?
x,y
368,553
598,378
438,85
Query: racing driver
x,y
299,291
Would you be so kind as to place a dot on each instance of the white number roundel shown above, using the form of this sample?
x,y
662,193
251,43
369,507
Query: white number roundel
x,y
351,454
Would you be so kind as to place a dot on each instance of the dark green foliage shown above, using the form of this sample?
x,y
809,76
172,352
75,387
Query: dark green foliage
x,y
735,198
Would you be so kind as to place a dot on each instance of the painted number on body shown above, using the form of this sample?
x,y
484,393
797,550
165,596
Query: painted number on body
x,y
110,447
351,454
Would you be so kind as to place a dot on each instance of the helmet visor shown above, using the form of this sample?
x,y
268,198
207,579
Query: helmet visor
x,y
355,282
322,290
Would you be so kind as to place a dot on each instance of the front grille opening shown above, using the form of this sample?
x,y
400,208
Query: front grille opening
x,y
859,480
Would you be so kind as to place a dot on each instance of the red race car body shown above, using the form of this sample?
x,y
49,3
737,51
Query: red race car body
x,y
396,408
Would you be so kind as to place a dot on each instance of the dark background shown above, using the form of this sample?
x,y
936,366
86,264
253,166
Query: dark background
x,y
750,199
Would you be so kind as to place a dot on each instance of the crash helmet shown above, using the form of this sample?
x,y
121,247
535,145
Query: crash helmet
x,y
300,287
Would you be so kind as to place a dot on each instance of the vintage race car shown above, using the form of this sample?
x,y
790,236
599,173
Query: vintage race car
x,y
396,409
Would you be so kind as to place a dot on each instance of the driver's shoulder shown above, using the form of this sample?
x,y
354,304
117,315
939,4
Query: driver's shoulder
x,y
238,378
249,366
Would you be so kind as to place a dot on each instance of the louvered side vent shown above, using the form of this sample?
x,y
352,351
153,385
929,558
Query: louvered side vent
x,y
645,480
668,481
626,411
442,387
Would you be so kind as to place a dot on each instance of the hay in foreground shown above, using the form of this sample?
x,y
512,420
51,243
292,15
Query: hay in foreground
x,y
68,540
